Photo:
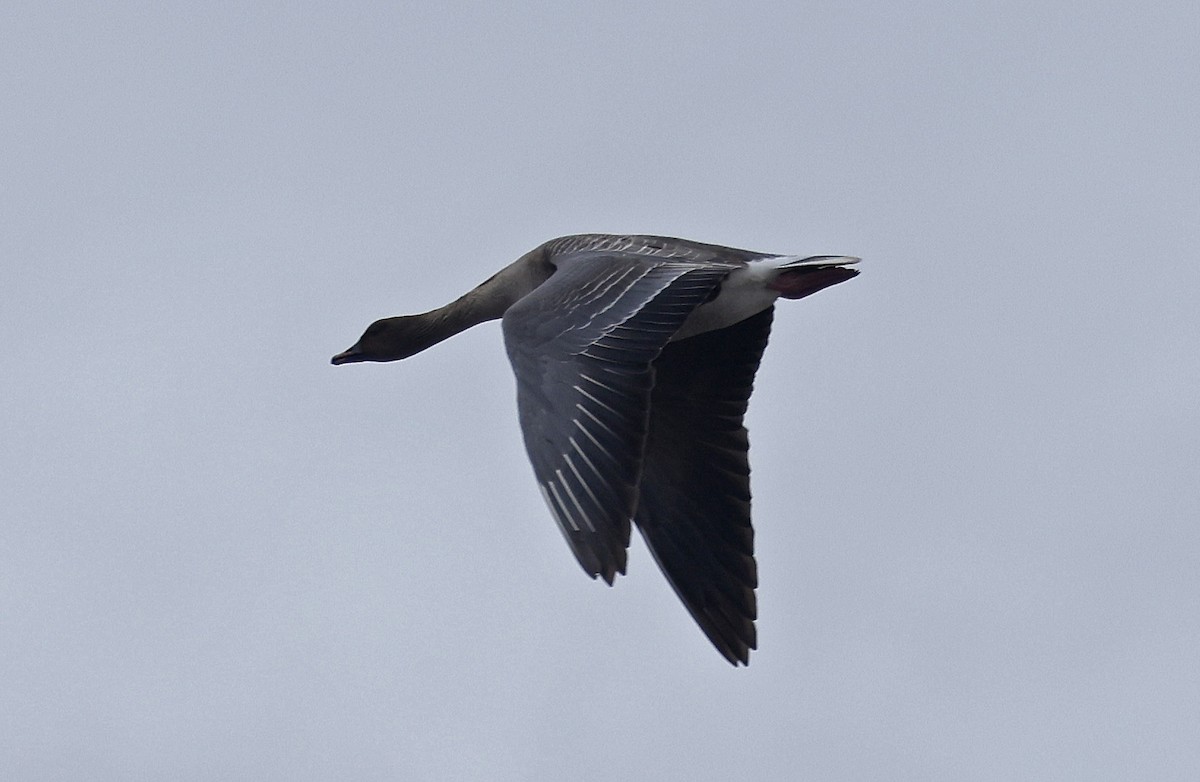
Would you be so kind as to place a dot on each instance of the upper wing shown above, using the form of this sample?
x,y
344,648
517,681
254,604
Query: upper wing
x,y
694,505
581,346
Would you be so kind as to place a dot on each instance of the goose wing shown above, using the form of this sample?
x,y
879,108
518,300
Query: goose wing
x,y
694,503
581,346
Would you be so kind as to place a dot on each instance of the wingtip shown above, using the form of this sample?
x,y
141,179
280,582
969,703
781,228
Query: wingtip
x,y
737,654
610,573
607,572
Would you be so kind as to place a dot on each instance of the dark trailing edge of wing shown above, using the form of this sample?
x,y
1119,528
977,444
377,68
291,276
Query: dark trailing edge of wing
x,y
694,505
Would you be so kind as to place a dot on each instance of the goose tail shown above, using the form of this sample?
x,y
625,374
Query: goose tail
x,y
801,276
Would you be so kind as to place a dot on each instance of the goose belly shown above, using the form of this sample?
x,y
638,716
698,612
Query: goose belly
x,y
743,293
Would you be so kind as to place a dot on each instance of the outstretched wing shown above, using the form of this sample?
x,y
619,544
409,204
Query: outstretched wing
x,y
694,504
581,346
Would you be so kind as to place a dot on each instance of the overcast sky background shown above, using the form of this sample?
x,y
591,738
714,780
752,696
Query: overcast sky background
x,y
976,466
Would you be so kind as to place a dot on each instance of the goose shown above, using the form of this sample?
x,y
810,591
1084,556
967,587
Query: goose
x,y
634,359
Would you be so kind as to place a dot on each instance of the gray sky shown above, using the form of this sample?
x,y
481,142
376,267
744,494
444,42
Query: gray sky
x,y
975,466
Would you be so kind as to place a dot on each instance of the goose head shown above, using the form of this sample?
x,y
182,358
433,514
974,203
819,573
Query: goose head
x,y
390,339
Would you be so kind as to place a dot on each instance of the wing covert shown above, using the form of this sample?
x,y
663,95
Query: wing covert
x,y
581,346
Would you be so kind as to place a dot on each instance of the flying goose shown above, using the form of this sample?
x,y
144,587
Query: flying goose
x,y
635,357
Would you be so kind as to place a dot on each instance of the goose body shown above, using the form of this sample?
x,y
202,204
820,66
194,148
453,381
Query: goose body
x,y
635,358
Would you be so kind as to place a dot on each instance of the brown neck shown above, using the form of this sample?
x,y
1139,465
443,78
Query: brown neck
x,y
491,298
392,339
